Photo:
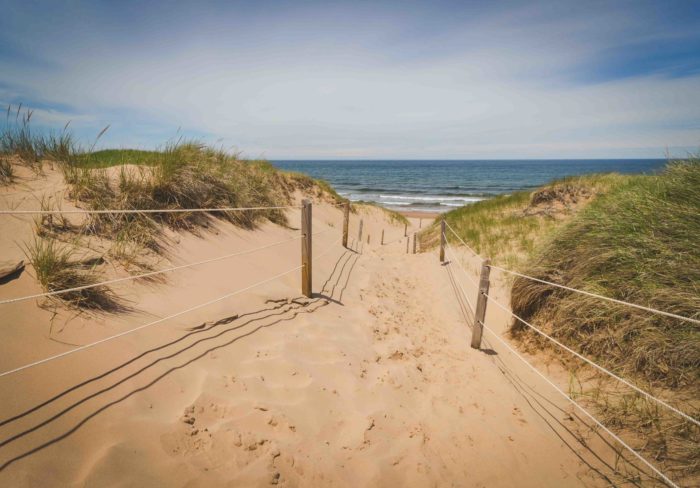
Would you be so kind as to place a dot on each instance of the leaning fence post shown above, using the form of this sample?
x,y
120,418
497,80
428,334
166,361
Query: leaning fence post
x,y
481,302
382,237
359,234
442,241
306,248
346,221
414,243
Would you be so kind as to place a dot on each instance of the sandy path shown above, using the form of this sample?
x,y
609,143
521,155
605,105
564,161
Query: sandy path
x,y
370,383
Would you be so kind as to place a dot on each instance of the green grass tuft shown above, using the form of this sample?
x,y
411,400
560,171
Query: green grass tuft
x,y
57,268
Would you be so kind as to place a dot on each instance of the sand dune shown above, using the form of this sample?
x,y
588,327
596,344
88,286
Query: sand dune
x,y
369,383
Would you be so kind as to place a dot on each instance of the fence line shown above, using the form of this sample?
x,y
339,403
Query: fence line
x,y
592,363
153,273
447,224
149,324
146,275
598,367
665,478
473,309
454,255
594,295
577,405
142,211
583,410
177,314
602,297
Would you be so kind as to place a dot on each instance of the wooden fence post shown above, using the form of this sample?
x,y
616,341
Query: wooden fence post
x,y
346,221
442,241
405,230
481,302
420,223
306,271
408,239
414,243
368,239
359,234
382,237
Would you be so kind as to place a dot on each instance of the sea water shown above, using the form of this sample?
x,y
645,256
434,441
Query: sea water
x,y
440,185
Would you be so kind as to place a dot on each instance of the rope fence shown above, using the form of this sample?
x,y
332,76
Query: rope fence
x,y
480,323
305,236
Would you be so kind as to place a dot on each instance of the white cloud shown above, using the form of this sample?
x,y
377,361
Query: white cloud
x,y
497,88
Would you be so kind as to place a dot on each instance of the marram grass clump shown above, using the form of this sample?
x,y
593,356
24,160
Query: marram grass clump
x,y
58,266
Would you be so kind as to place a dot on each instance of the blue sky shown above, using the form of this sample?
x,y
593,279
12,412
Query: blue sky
x,y
363,79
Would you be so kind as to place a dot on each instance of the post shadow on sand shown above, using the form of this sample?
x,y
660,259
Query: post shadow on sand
x,y
548,410
266,317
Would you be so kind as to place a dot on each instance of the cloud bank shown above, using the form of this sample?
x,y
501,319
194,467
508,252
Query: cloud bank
x,y
364,80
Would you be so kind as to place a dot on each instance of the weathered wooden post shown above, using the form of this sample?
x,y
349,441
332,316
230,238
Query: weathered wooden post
x,y
359,234
346,222
382,237
481,302
420,223
368,239
414,242
442,241
306,271
408,239
405,230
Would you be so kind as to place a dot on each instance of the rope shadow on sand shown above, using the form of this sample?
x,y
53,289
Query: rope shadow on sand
x,y
284,312
536,401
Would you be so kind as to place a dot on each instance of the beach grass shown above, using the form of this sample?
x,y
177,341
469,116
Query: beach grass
x,y
58,267
183,174
510,228
636,243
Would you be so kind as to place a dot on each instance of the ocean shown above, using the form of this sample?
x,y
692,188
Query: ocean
x,y
438,186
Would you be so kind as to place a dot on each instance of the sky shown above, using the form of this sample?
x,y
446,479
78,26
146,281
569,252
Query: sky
x,y
363,80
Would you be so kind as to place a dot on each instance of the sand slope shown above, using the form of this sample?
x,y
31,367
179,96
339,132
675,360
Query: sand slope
x,y
369,383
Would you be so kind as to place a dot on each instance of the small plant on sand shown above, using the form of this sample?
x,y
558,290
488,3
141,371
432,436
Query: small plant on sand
x,y
7,172
57,268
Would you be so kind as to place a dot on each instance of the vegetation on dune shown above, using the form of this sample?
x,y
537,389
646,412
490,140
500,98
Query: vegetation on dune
x,y
509,228
183,175
636,243
629,237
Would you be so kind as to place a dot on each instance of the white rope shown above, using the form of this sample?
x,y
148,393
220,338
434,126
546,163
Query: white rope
x,y
327,250
584,411
155,322
449,247
146,275
595,295
464,292
461,240
143,211
600,368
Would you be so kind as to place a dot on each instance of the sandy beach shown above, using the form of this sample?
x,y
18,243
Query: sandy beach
x,y
371,382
